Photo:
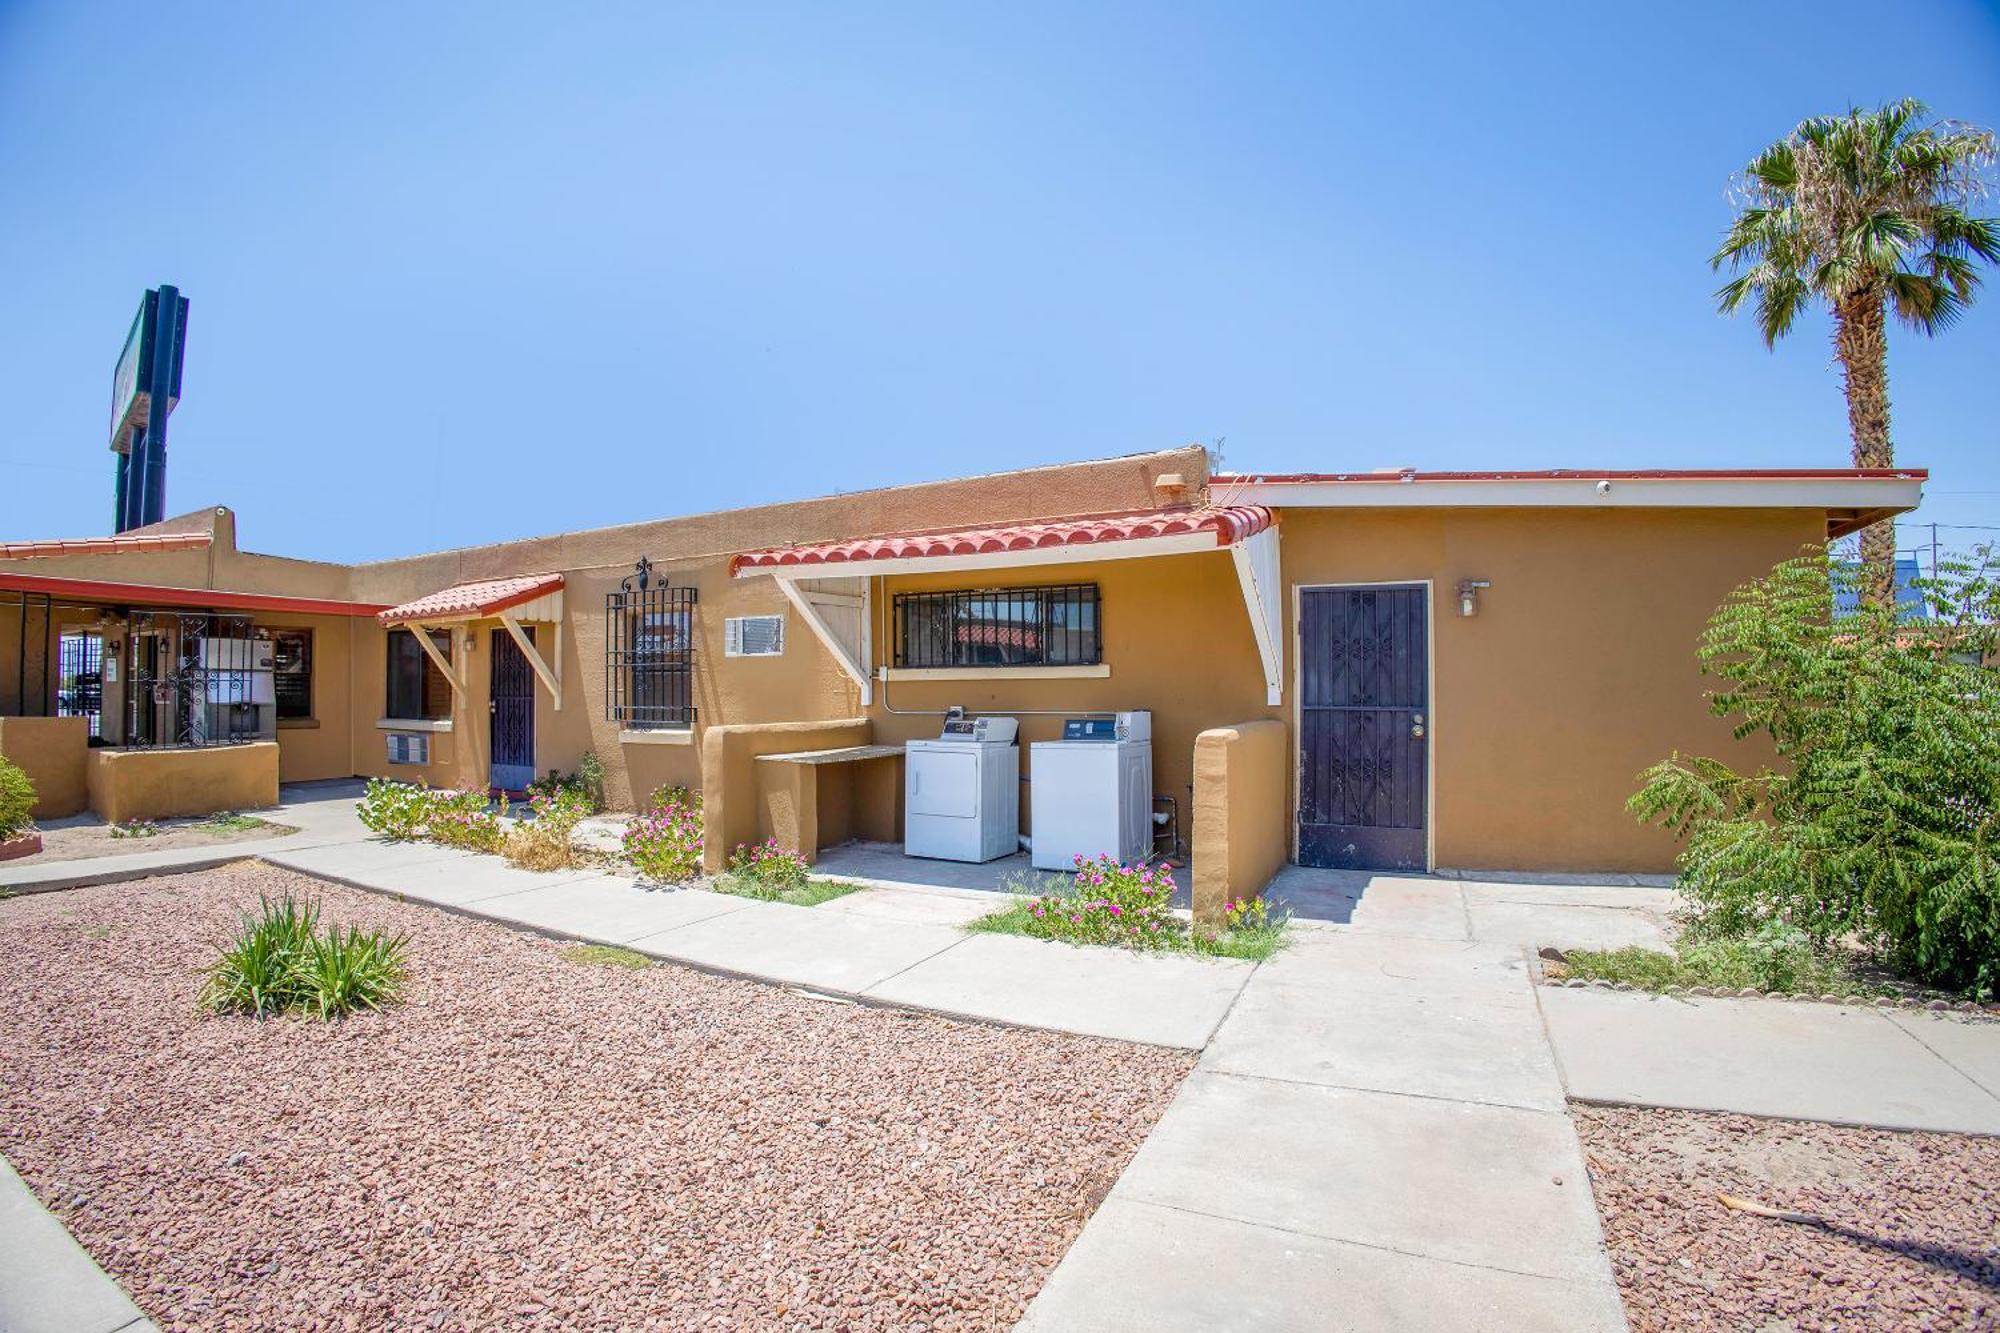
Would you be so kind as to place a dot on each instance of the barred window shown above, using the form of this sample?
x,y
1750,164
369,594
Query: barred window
x,y
649,653
1046,626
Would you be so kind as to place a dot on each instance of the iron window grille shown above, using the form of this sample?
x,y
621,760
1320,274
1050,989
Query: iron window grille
x,y
416,691
198,679
80,678
649,652
1060,625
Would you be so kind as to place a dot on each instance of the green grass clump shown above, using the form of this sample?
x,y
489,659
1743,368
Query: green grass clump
x,y
228,821
606,955
809,894
1772,959
279,961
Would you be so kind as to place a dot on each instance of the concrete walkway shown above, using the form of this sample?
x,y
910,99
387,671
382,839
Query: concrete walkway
x,y
1893,1069
1375,1139
890,946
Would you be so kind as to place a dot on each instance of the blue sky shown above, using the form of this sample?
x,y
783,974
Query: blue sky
x,y
504,270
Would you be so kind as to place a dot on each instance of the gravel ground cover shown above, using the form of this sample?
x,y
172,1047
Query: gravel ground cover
x,y
1911,1237
533,1142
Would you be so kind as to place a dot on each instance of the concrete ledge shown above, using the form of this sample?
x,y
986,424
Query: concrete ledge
x,y
48,1283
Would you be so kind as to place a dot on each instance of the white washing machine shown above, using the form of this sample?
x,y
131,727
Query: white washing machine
x,y
1091,793
962,791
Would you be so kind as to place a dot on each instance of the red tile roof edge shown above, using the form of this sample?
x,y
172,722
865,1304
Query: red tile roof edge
x,y
479,597
96,591
1229,523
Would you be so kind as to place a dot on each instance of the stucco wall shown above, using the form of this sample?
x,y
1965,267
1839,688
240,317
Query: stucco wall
x,y
1242,812
158,784
745,801
51,751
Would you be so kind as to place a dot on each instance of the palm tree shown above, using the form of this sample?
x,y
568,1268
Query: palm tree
x,y
1863,213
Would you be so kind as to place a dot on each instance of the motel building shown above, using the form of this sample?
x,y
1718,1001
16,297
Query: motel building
x,y
1381,670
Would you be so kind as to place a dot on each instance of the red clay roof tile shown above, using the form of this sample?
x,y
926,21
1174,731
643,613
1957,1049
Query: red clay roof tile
x,y
482,598
1229,523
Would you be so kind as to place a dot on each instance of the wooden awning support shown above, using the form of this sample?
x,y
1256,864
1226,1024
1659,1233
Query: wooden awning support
x,y
837,612
551,677
422,633
1256,558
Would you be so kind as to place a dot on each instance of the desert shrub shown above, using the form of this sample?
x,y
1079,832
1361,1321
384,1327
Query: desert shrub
x,y
664,842
576,786
765,870
280,962
17,798
590,773
542,841
463,819
1880,822
393,809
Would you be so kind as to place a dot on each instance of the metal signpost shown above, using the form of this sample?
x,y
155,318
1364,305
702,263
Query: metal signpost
x,y
145,388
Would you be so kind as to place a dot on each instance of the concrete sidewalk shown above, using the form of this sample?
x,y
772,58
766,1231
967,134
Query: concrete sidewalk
x,y
1376,1139
1892,1069
48,1284
890,946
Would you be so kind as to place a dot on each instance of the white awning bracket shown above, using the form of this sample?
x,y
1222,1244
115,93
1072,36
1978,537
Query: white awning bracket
x,y
422,634
1256,558
551,678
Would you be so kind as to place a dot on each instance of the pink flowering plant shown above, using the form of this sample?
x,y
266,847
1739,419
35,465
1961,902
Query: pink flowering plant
x,y
766,870
1107,902
664,841
464,818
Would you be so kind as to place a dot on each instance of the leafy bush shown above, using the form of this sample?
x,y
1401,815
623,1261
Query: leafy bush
x,y
279,962
586,788
1106,902
590,773
463,819
766,870
1881,823
1774,957
393,809
17,798
673,794
664,842
542,841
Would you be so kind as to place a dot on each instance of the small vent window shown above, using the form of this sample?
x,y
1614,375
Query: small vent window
x,y
753,636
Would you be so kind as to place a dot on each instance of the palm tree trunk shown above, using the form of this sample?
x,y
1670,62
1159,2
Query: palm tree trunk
x,y
1860,343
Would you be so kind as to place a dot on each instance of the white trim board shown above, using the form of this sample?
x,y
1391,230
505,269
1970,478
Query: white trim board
x,y
1585,492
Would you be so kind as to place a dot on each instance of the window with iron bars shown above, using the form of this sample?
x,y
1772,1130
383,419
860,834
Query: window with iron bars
x,y
649,653
197,678
1046,626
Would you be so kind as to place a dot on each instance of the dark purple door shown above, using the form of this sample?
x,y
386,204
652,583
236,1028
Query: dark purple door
x,y
513,705
1364,711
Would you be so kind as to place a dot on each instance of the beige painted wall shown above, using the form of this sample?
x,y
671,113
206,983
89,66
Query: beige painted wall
x,y
159,784
745,801
51,751
1242,812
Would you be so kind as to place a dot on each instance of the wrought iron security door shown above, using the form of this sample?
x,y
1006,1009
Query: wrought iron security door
x,y
512,701
1364,705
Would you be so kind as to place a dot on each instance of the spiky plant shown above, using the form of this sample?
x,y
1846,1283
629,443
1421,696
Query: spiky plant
x,y
1863,213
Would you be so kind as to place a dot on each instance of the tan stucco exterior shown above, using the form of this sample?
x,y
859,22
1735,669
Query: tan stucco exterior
x,y
159,784
1242,818
50,750
1576,672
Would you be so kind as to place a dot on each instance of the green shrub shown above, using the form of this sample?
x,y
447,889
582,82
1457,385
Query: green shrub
x,y
766,870
664,842
17,798
674,796
1882,820
393,809
585,789
280,962
590,773
137,828
463,819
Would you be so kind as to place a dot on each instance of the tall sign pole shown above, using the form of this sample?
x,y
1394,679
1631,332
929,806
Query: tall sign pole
x,y
145,388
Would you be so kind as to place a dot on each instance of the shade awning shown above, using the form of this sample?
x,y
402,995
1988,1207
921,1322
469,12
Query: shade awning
x,y
471,601
1096,536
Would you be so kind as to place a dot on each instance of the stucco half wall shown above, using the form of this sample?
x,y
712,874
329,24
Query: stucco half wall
x,y
740,803
1242,812
51,751
159,784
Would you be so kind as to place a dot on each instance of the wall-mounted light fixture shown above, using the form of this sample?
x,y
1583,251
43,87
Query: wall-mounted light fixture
x,y
1468,595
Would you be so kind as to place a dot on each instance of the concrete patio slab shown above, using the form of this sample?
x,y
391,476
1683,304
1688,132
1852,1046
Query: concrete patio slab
x,y
1442,1179
1532,925
1414,905
883,865
1836,1063
801,946
369,857
48,1283
1203,1273
1164,1000
1969,1045
607,908
1630,896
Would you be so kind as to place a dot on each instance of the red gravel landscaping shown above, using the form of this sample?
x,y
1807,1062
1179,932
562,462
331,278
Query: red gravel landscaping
x,y
1911,1241
532,1142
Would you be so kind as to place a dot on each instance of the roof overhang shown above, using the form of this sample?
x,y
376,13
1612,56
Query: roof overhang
x,y
523,597
99,592
1851,498
1126,536
123,544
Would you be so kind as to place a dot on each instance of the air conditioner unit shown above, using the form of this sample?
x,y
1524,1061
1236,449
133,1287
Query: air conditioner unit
x,y
753,636
409,747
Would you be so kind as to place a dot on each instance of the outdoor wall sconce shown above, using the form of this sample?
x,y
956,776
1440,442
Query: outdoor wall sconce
x,y
1468,595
